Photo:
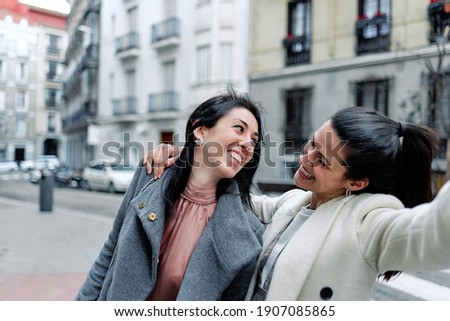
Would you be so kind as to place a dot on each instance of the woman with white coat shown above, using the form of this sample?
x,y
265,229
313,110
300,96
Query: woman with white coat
x,y
363,211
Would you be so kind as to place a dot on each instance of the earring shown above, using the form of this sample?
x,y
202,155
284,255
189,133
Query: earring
x,y
199,141
348,193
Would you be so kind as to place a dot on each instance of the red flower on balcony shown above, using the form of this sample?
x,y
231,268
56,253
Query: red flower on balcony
x,y
362,16
435,1
290,36
379,14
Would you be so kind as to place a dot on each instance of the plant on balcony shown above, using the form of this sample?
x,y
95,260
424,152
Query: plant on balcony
x,y
362,16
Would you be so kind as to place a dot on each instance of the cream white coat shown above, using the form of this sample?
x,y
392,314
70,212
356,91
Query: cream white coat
x,y
347,242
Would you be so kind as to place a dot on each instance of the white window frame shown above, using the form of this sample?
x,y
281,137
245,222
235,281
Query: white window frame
x,y
21,127
203,64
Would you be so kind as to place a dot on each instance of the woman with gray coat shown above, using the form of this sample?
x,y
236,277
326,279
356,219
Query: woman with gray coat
x,y
190,235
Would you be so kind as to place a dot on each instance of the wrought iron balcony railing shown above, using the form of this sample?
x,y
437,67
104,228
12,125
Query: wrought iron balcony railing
x,y
298,49
373,35
125,106
127,42
162,102
169,28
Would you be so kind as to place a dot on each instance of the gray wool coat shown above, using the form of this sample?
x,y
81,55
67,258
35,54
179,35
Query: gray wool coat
x,y
221,265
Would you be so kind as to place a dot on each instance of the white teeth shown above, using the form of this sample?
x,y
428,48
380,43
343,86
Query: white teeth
x,y
308,175
236,156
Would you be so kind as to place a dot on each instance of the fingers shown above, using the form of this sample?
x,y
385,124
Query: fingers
x,y
164,155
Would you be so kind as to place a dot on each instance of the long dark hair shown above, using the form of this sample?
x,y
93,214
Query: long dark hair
x,y
207,114
395,157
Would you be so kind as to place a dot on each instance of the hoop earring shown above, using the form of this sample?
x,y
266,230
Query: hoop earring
x,y
199,141
348,193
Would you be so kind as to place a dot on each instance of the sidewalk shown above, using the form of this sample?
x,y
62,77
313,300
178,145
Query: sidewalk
x,y
45,256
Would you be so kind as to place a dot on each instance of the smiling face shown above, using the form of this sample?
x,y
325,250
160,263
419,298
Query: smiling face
x,y
227,146
322,167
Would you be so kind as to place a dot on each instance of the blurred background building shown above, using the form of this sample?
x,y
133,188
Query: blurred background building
x,y
154,62
310,58
134,70
32,43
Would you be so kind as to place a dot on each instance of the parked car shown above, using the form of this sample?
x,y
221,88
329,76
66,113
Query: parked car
x,y
63,176
47,161
8,167
27,165
105,177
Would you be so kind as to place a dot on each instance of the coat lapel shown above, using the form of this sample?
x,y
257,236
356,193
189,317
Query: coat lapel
x,y
150,208
294,265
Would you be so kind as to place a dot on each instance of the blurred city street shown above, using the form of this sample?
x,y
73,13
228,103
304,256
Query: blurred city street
x,y
45,255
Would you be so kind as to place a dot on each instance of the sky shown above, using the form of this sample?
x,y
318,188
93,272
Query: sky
x,y
55,5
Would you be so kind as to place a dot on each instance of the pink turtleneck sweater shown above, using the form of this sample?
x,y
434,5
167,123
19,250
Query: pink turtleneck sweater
x,y
190,215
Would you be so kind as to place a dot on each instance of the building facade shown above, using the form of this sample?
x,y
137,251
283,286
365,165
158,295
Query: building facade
x,y
159,60
310,58
31,45
80,89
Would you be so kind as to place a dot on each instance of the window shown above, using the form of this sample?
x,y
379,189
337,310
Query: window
x,y
298,40
298,118
168,75
373,94
54,70
299,22
373,27
2,126
53,43
51,125
203,64
373,8
170,8
436,119
226,62
2,70
52,97
21,101
131,103
2,43
132,19
2,101
21,128
131,82
439,18
22,72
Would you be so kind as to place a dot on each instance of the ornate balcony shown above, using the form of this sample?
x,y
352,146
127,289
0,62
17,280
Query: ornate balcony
x,y
90,59
439,18
166,33
128,46
298,49
373,35
163,102
79,118
125,106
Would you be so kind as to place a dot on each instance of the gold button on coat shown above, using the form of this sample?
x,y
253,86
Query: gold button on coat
x,y
141,205
151,217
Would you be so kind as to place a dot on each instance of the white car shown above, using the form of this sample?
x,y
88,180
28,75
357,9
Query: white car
x,y
104,177
8,167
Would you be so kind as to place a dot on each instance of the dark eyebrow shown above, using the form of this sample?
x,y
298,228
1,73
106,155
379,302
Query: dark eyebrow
x,y
246,126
